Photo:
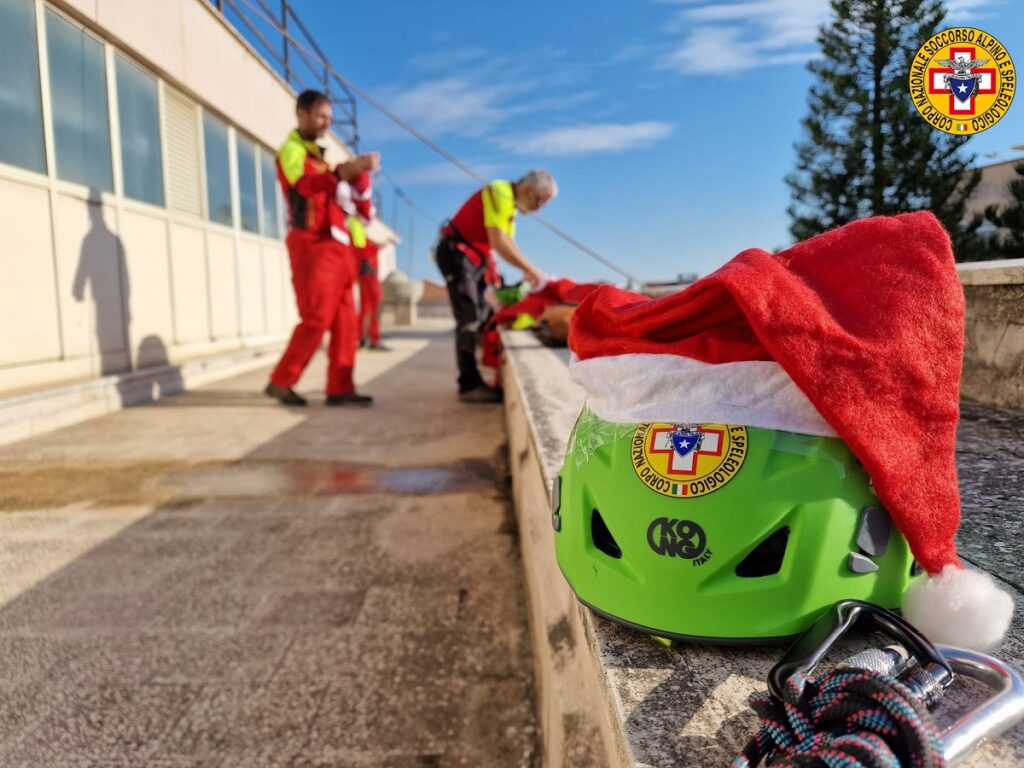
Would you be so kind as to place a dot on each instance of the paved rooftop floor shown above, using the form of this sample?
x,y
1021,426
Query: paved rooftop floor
x,y
220,581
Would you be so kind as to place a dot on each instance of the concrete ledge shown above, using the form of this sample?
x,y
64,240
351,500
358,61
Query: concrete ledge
x,y
997,272
36,413
644,704
575,726
993,371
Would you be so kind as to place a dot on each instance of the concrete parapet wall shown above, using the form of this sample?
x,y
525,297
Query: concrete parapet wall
x,y
994,354
609,696
571,710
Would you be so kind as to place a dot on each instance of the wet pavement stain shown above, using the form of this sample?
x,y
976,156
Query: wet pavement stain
x,y
30,485
35,486
336,478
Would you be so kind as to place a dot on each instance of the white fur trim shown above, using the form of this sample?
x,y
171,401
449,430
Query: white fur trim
x,y
343,196
960,607
635,388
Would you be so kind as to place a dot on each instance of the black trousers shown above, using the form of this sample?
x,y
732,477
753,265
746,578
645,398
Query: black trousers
x,y
465,283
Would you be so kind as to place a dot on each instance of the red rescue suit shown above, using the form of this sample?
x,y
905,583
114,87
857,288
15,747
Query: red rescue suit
x,y
370,293
323,269
351,208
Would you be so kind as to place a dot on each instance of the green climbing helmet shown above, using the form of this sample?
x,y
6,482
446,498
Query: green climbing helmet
x,y
511,294
720,532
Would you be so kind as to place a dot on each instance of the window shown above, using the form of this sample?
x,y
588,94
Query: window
x,y
78,97
218,171
21,111
268,186
247,198
140,133
181,127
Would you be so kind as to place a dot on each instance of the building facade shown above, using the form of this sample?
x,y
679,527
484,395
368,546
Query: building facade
x,y
993,189
138,195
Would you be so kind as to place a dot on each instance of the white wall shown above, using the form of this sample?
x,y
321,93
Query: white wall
x,y
387,260
102,283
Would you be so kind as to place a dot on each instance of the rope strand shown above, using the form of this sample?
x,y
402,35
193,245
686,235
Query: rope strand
x,y
852,718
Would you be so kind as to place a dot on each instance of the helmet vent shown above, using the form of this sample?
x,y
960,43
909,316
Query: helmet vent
x,y
766,558
602,537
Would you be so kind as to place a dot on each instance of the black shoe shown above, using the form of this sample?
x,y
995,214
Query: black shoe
x,y
363,343
351,398
378,347
482,394
286,395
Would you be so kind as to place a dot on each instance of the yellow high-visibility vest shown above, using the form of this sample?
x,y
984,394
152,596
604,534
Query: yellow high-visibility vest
x,y
357,231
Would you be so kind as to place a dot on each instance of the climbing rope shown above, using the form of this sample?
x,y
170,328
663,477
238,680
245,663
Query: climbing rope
x,y
851,718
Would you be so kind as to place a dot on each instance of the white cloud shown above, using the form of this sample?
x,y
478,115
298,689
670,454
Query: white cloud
x,y
446,58
959,11
445,174
551,103
738,36
473,102
634,51
590,139
445,106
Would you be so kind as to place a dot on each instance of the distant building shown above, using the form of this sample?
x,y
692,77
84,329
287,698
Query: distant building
x,y
993,189
683,280
434,301
138,199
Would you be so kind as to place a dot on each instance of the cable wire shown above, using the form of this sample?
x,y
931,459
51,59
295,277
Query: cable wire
x,y
559,232
427,141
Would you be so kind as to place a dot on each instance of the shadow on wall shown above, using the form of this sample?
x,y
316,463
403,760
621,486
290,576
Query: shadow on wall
x,y
102,268
155,380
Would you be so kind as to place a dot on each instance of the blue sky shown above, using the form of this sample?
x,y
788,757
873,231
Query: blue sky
x,y
669,124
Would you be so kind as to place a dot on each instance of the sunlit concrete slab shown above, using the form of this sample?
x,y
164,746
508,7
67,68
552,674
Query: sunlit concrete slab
x,y
217,580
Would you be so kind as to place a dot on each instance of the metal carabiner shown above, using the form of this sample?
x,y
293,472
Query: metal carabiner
x,y
923,667
810,648
993,718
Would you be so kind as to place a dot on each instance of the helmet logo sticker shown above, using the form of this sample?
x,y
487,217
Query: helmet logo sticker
x,y
687,460
686,439
678,538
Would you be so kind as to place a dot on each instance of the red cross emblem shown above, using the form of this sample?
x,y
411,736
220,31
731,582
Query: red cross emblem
x,y
937,83
661,443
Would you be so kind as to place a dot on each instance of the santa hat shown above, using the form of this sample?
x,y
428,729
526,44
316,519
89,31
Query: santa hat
x,y
355,197
354,208
856,333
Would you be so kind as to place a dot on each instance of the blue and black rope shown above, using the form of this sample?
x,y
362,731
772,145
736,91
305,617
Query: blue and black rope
x,y
852,718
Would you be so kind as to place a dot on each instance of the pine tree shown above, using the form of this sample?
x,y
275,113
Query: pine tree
x,y
867,152
1009,242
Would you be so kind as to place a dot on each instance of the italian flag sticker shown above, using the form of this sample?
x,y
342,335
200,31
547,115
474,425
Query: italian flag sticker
x,y
678,490
961,126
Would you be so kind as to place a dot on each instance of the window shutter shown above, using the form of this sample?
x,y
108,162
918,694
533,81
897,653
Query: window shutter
x,y
182,130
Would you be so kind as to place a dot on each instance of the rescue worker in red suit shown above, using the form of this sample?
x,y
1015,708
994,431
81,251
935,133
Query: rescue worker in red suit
x,y
485,223
348,214
370,295
323,269
355,198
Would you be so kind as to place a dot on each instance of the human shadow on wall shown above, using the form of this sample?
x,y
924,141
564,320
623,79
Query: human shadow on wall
x,y
155,379
102,267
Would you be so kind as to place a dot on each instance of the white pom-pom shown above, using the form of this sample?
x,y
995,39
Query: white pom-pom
x,y
960,607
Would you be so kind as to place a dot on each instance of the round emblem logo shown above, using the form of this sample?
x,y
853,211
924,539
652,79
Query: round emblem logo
x,y
687,460
962,81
